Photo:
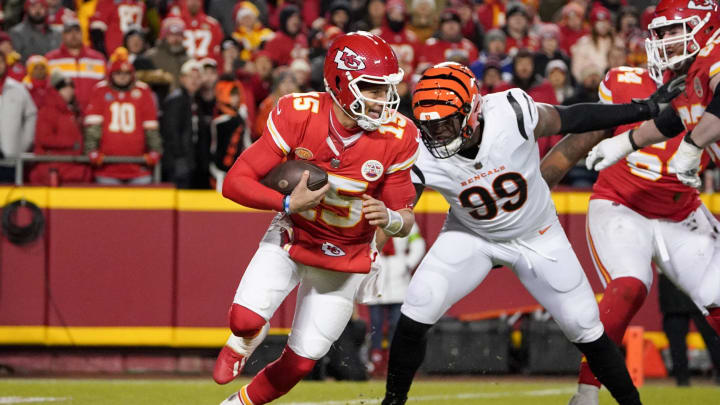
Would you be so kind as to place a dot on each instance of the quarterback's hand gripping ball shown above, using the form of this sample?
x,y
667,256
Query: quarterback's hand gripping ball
x,y
285,176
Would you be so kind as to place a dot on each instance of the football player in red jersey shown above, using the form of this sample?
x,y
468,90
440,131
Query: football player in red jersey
x,y
122,120
639,202
112,19
203,34
684,39
321,240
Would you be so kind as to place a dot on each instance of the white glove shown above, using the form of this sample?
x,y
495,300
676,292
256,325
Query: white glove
x,y
686,164
608,152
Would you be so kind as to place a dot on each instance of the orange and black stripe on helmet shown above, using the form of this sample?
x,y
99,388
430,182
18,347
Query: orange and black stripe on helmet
x,y
447,104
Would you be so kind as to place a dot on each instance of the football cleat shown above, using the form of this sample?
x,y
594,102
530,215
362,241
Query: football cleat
x,y
234,354
586,395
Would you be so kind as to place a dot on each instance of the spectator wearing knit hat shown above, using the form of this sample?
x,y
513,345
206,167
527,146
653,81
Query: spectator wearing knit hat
x,y
121,120
517,29
249,31
219,10
58,132
84,65
36,80
492,77
549,48
494,49
168,56
288,42
18,115
556,72
449,44
33,36
572,26
592,49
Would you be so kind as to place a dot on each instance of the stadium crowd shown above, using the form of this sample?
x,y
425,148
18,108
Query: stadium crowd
x,y
190,84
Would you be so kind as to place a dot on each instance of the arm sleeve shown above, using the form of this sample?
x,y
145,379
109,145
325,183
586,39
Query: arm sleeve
x,y
586,117
668,123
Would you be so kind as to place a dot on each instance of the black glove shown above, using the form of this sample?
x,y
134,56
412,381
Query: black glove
x,y
663,95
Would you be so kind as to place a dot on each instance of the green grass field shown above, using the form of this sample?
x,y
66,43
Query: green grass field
x,y
179,391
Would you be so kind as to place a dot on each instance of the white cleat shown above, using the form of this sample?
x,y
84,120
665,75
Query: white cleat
x,y
586,395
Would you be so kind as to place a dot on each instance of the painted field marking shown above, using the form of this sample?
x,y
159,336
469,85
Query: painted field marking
x,y
27,400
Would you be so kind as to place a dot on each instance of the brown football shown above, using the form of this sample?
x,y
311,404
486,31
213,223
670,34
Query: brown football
x,y
285,176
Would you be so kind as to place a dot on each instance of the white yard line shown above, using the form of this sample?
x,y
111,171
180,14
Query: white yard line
x,y
468,395
27,400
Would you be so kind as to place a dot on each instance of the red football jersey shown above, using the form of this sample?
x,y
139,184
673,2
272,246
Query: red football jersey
x,y
691,104
334,235
436,51
404,43
643,180
124,116
203,34
116,17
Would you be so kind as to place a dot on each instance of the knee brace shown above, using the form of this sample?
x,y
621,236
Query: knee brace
x,y
244,322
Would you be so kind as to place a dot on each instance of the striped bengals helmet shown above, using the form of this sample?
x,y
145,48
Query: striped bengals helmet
x,y
448,108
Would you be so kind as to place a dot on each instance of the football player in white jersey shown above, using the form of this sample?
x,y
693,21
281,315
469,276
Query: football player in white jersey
x,y
481,154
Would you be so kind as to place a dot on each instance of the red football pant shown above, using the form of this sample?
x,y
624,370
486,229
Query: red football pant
x,y
622,299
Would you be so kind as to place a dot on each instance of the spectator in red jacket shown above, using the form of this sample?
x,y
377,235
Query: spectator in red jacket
x,y
288,42
84,65
121,120
449,45
58,133
517,29
571,26
36,80
491,14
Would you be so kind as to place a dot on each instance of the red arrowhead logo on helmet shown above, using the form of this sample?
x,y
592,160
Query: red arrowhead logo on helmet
x,y
347,59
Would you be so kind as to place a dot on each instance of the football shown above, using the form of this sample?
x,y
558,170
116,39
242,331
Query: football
x,y
285,176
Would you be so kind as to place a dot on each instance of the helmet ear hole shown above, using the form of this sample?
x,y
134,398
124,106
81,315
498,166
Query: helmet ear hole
x,y
466,108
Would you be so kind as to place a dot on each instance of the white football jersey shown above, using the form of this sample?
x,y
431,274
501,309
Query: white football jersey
x,y
500,195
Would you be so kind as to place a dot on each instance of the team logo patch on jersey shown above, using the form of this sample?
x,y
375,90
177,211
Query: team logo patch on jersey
x,y
347,59
698,87
108,97
303,153
372,170
332,250
136,93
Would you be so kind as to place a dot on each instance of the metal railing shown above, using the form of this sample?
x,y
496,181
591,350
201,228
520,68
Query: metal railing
x,y
19,163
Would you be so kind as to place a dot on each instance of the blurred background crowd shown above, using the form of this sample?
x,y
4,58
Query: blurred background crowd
x,y
190,83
